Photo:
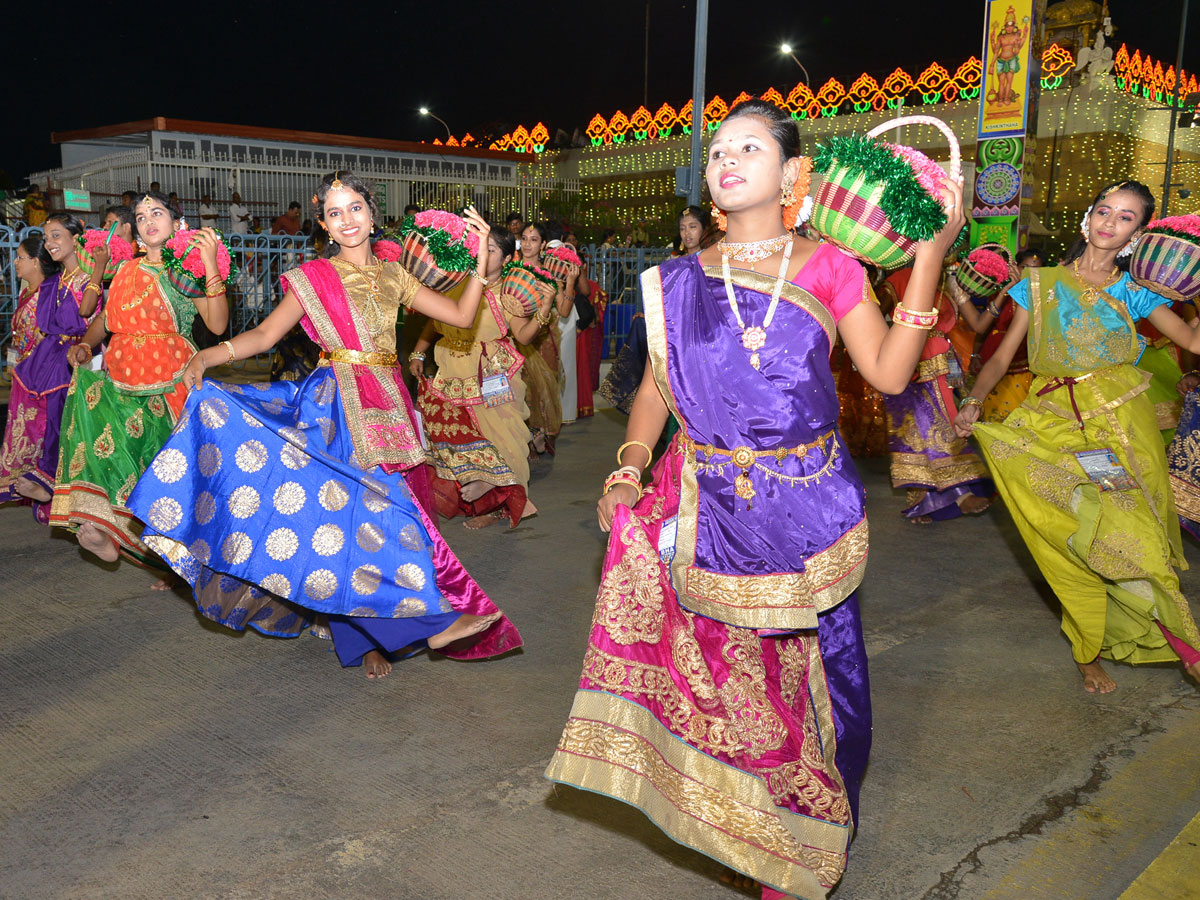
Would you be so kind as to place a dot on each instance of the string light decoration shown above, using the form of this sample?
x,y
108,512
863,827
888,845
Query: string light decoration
x,y
1136,74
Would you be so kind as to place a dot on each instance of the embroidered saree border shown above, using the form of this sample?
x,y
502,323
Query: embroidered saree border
x,y
360,419
787,600
797,296
614,747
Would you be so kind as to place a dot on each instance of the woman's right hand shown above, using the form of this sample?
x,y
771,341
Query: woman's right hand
x,y
621,494
100,257
193,375
79,355
417,367
549,292
964,422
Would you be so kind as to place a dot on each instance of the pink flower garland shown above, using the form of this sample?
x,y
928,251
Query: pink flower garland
x,y
988,263
180,244
566,253
455,226
929,174
1185,224
388,251
119,249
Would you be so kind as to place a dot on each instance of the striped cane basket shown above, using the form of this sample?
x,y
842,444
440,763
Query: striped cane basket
x,y
562,270
846,206
416,257
1167,265
975,282
519,292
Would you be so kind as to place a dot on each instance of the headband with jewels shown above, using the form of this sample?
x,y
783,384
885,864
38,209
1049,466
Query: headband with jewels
x,y
336,185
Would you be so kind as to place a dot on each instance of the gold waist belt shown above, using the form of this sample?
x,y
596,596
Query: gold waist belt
x,y
746,458
929,369
360,358
456,346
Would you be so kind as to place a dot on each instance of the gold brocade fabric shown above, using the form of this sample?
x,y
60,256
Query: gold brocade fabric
x,y
380,308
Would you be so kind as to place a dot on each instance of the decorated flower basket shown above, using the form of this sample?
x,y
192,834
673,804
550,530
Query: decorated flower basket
x,y
878,200
437,248
184,267
119,250
519,293
562,262
985,270
1166,258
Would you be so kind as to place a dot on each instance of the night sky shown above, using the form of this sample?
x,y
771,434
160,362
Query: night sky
x,y
364,68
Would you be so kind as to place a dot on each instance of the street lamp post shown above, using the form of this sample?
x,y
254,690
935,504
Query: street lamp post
x,y
787,48
424,110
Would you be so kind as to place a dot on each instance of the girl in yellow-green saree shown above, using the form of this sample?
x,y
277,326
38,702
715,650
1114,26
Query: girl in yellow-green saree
x,y
1080,463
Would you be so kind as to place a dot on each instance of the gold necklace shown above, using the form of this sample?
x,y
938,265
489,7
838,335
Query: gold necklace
x,y
754,338
1092,291
753,251
372,280
64,282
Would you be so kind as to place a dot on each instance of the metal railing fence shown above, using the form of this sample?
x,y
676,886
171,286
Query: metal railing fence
x,y
262,258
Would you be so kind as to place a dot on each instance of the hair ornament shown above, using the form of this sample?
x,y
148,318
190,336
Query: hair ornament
x,y
1083,226
314,200
336,185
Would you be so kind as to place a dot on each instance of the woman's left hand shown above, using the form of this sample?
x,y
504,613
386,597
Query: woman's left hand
x,y
479,225
964,422
206,242
952,200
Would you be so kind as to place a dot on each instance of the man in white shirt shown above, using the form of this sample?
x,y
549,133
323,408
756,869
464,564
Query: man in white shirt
x,y
239,216
208,213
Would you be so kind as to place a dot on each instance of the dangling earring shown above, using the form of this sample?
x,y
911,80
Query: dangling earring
x,y
794,197
1128,249
1083,226
722,219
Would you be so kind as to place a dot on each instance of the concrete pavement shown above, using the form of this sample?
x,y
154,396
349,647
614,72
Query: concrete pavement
x,y
145,753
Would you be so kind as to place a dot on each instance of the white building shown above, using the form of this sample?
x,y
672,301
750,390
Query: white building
x,y
271,167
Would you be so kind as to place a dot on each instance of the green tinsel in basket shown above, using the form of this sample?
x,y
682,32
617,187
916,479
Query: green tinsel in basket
x,y
539,273
908,206
450,255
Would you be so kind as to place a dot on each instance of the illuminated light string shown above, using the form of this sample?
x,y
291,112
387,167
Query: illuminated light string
x,y
1138,75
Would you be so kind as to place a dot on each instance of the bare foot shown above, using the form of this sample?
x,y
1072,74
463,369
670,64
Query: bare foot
x,y
738,880
473,490
376,664
464,626
921,520
164,584
1095,679
93,540
973,505
1194,671
27,487
476,522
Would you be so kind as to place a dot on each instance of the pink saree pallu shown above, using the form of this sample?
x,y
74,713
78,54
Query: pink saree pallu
x,y
724,688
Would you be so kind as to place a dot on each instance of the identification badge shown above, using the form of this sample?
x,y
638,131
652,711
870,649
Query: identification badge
x,y
954,377
1104,469
496,390
666,539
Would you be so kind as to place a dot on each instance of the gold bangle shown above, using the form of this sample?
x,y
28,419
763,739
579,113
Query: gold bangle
x,y
228,345
905,324
482,279
91,286
621,449
970,401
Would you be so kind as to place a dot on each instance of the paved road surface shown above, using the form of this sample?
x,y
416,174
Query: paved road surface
x,y
145,753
